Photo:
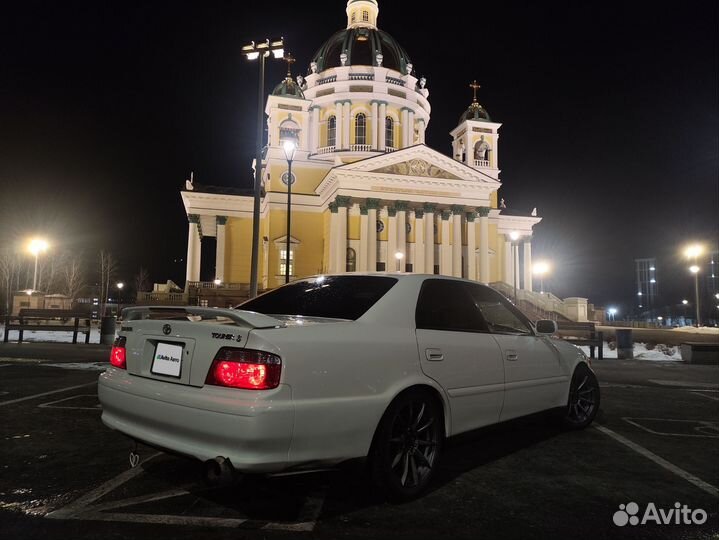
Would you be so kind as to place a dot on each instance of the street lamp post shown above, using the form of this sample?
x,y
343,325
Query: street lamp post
x,y
514,236
694,269
399,256
37,246
261,51
289,147
540,269
120,286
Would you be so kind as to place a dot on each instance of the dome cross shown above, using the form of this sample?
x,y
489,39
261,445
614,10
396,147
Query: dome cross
x,y
290,60
475,86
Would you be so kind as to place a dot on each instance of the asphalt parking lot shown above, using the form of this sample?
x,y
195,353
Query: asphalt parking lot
x,y
64,475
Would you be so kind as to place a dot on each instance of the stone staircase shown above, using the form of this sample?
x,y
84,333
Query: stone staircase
x,y
537,305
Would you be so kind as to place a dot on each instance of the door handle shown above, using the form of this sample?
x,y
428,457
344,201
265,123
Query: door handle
x,y
512,356
434,355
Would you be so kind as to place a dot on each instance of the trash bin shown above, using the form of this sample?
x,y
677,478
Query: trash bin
x,y
625,344
107,330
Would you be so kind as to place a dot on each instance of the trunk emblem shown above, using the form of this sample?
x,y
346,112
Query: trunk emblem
x,y
167,329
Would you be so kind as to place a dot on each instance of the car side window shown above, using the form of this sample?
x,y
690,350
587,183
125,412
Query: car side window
x,y
496,311
447,305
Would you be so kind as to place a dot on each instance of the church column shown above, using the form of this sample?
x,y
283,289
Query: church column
x,y
363,252
334,226
401,207
372,207
483,243
220,253
422,127
445,249
382,131
339,126
375,125
508,247
419,253
527,265
194,248
471,246
429,221
516,275
410,128
457,212
405,123
347,118
341,238
315,136
391,265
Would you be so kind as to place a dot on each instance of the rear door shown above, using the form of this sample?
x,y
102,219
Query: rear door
x,y
533,378
456,351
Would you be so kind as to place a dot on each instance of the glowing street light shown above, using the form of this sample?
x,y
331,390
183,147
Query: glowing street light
x,y
37,246
218,282
541,269
259,51
399,256
612,313
694,269
693,251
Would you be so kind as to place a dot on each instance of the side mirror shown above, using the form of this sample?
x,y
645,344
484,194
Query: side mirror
x,y
546,327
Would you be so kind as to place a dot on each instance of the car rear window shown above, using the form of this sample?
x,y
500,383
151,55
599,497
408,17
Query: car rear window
x,y
335,297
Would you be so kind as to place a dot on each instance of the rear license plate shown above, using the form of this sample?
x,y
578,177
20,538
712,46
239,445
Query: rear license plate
x,y
167,360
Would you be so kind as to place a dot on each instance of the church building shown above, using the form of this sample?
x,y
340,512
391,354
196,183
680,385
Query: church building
x,y
367,193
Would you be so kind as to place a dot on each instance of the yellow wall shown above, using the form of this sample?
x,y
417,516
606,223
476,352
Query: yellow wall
x,y
309,254
238,250
307,178
353,230
496,270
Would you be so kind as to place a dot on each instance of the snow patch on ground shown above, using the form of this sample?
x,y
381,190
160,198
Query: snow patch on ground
x,y
660,353
694,330
87,366
49,337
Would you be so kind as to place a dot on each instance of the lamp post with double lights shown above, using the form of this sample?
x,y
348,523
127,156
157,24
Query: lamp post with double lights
x,y
514,236
290,147
37,246
259,51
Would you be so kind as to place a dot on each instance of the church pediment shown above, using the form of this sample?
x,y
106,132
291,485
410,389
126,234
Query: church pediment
x,y
418,161
417,167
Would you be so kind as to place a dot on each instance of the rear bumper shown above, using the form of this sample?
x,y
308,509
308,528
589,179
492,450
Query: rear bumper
x,y
253,429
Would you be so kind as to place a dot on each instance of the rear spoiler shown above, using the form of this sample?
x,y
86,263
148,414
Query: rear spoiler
x,y
241,317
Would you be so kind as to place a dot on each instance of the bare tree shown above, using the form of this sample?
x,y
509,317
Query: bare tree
x,y
9,276
108,268
73,275
142,280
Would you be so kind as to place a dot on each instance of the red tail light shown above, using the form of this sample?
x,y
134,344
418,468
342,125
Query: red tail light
x,y
118,356
249,370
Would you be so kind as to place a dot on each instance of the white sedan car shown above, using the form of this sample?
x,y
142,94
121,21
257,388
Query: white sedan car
x,y
331,368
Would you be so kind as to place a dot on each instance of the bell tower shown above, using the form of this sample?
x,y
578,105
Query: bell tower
x,y
362,13
475,140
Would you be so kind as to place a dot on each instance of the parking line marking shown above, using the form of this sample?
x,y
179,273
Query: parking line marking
x,y
690,384
53,404
703,393
76,507
27,398
161,519
689,477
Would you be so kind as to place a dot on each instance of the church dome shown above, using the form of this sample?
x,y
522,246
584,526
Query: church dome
x,y
362,44
475,112
288,88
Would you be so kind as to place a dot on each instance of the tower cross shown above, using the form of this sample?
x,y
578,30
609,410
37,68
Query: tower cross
x,y
475,86
290,60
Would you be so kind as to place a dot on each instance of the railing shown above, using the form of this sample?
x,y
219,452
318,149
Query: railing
x,y
395,80
327,80
161,298
389,149
326,150
361,76
213,285
481,163
361,147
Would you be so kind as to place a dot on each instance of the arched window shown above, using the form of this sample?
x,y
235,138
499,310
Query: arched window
x,y
360,129
332,131
351,260
481,151
289,131
365,16
389,132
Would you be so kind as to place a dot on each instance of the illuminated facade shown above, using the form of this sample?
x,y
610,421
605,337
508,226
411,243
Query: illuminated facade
x,y
364,185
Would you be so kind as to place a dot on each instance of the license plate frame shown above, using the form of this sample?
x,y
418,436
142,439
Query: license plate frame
x,y
167,360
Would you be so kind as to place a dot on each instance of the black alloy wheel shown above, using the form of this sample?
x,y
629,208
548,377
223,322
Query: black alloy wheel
x,y
405,452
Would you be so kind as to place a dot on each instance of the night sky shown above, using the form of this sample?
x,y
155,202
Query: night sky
x,y
610,114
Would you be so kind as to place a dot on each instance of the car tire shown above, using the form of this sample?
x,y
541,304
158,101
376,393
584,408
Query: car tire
x,y
584,399
407,445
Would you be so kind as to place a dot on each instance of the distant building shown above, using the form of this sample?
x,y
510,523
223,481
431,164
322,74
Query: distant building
x,y
647,287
